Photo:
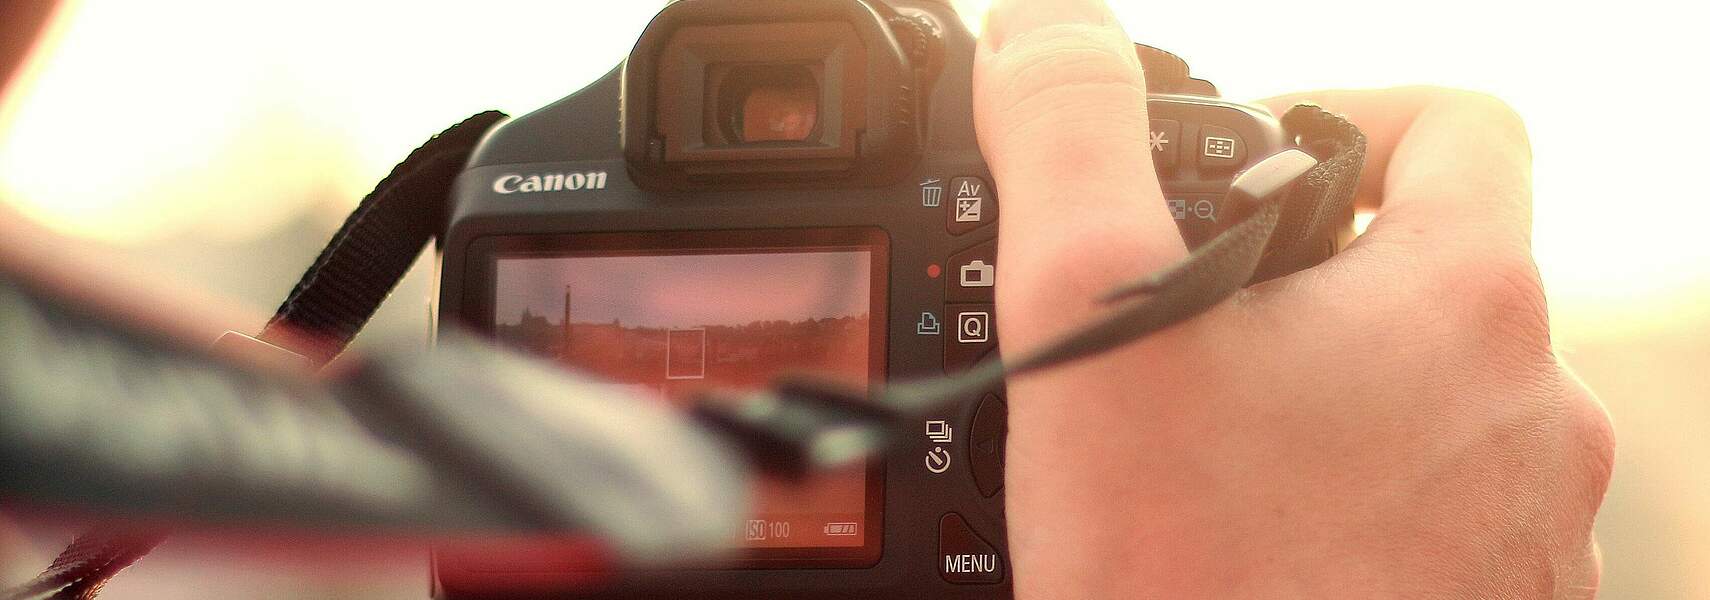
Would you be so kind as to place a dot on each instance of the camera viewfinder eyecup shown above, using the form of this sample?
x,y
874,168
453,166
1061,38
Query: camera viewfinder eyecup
x,y
770,93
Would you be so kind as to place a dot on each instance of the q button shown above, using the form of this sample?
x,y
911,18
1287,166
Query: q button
x,y
971,334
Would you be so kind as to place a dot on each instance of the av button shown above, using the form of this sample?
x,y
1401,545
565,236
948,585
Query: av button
x,y
972,204
963,556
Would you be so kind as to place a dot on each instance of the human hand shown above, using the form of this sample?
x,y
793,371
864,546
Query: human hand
x,y
1392,423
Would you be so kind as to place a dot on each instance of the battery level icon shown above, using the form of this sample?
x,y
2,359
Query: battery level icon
x,y
840,529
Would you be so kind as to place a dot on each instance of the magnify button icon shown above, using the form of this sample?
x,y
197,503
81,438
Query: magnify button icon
x,y
1204,209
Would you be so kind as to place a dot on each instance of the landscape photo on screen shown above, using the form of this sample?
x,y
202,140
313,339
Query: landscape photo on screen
x,y
670,324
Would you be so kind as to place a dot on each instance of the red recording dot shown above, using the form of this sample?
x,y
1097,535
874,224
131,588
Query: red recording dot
x,y
932,270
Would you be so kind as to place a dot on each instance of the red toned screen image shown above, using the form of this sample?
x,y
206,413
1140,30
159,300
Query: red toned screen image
x,y
672,323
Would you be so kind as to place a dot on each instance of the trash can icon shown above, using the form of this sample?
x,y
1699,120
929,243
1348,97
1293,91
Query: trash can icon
x,y
931,193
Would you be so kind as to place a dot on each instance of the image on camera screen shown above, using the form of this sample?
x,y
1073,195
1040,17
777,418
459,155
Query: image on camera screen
x,y
670,323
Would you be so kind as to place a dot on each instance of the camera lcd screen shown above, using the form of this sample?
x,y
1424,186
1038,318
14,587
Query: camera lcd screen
x,y
671,321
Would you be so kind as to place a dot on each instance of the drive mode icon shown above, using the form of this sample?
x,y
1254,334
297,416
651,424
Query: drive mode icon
x,y
937,460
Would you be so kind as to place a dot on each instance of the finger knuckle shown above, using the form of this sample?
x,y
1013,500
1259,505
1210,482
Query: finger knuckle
x,y
1595,433
1584,441
1492,115
1500,298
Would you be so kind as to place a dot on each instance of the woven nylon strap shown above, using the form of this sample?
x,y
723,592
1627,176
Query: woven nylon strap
x,y
378,242
384,235
83,567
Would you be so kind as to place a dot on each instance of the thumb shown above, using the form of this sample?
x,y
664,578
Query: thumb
x,y
1060,111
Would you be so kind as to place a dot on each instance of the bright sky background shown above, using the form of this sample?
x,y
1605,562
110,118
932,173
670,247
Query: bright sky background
x,y
218,120
222,118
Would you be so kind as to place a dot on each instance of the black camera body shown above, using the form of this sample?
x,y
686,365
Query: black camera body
x,y
776,185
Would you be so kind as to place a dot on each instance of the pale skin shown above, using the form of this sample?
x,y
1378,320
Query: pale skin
x,y
1391,423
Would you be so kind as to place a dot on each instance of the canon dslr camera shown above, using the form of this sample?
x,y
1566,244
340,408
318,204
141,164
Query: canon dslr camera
x,y
788,185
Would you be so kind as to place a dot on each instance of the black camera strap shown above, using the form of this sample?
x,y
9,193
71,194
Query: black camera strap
x,y
378,242
1285,207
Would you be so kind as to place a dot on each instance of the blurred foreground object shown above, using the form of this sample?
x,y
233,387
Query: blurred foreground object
x,y
18,32
109,420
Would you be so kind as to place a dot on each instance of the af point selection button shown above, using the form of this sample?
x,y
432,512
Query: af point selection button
x,y
1220,148
963,556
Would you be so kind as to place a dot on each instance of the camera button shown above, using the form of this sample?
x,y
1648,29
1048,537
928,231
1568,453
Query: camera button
x,y
1220,148
973,203
971,335
973,274
986,444
1165,141
964,556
